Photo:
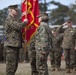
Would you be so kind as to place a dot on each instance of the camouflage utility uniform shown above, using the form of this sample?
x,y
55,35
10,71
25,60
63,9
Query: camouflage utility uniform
x,y
32,56
68,44
12,43
75,58
1,52
43,45
56,53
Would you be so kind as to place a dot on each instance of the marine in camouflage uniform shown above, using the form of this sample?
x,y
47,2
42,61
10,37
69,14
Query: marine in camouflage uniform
x,y
56,53
1,52
43,44
12,43
69,45
74,59
32,56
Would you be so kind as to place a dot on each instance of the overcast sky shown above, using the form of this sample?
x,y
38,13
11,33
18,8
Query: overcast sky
x,y
6,3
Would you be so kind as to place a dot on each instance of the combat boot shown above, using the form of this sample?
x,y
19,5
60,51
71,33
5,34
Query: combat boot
x,y
57,69
68,70
34,73
74,69
53,69
71,70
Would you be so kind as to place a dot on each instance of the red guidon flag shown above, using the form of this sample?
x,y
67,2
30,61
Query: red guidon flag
x,y
32,7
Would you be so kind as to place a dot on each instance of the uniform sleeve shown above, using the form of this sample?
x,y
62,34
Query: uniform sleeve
x,y
59,29
41,40
50,36
14,24
60,37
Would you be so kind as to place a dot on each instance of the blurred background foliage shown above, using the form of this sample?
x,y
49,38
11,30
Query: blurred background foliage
x,y
57,15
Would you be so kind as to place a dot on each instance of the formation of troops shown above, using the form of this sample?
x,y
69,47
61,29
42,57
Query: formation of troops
x,y
45,42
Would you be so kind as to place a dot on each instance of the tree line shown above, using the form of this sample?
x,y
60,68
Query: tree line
x,y
57,15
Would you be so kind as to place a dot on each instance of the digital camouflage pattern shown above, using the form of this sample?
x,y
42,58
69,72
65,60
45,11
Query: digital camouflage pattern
x,y
12,56
69,36
43,38
32,56
43,45
68,44
55,55
1,52
12,43
75,58
13,32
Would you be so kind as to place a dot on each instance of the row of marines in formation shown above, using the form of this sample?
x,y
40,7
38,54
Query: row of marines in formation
x,y
43,43
62,40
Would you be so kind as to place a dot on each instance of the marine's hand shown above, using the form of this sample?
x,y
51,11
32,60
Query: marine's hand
x,y
75,48
25,20
64,24
24,13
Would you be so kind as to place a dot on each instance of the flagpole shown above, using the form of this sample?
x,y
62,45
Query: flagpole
x,y
26,12
26,8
